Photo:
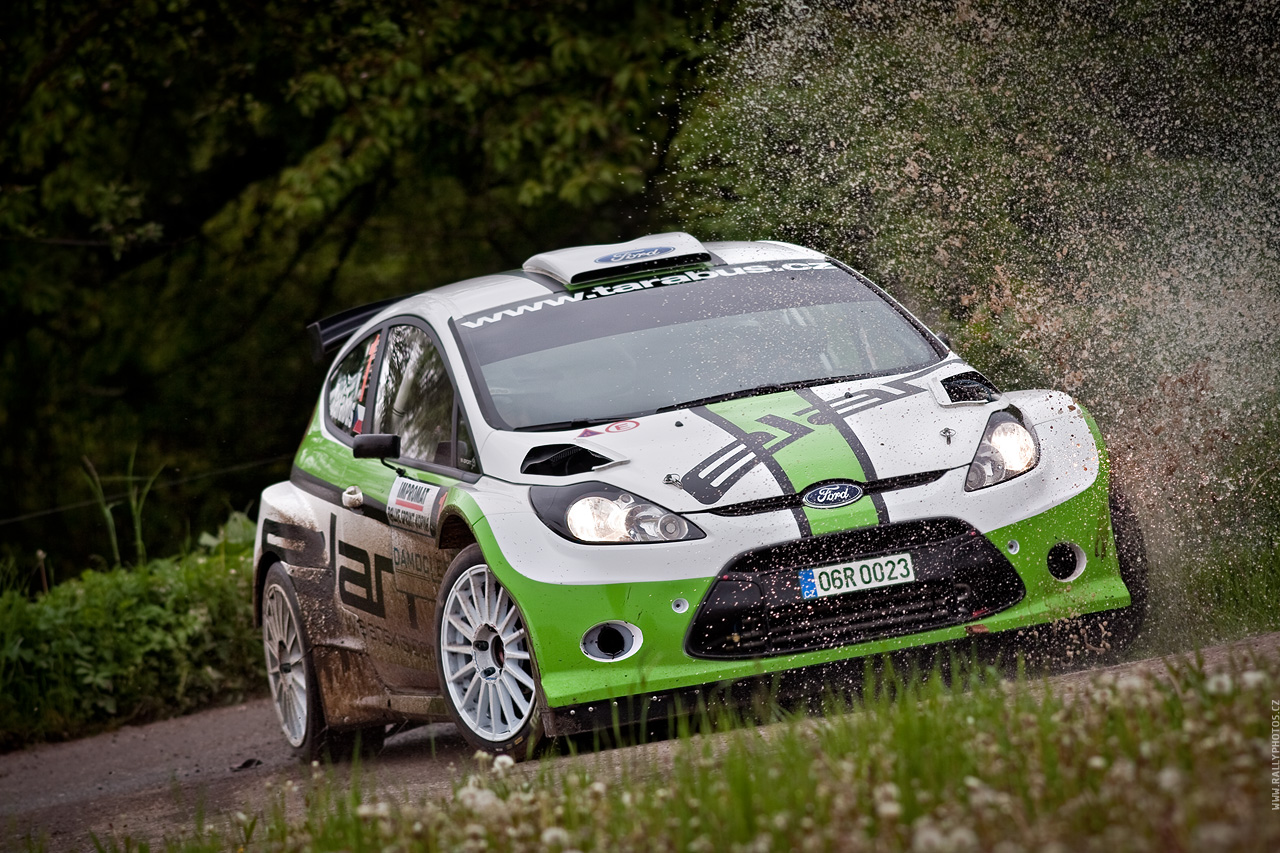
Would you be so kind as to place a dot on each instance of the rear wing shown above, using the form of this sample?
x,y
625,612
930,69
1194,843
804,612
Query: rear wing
x,y
332,332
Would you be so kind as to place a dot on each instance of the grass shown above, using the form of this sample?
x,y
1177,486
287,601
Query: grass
x,y
1180,762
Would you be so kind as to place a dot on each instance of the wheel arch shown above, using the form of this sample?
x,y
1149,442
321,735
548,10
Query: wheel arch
x,y
260,569
455,530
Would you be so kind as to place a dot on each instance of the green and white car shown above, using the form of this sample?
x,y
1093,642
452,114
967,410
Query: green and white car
x,y
563,497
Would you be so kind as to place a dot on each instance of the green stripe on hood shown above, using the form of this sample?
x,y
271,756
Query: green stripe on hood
x,y
801,445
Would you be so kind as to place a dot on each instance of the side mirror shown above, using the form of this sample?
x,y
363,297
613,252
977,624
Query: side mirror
x,y
376,446
946,339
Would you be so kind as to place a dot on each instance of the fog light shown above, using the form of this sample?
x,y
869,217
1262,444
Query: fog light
x,y
611,641
1066,561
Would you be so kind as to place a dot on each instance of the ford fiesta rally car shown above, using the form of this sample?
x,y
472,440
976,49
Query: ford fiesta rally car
x,y
548,500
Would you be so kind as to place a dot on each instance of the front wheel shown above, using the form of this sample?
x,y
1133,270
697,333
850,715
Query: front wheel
x,y
488,675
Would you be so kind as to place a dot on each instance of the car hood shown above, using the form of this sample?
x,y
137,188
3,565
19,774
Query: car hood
x,y
764,446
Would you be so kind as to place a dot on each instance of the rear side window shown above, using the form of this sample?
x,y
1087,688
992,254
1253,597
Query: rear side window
x,y
348,395
416,397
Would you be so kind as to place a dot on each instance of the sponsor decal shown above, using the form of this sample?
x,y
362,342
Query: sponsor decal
x,y
832,495
297,545
622,426
478,320
360,580
587,433
411,506
713,477
635,255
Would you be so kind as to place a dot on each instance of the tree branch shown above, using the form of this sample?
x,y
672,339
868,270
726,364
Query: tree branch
x,y
52,60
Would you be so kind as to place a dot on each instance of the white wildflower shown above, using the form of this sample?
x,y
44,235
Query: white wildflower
x,y
1169,780
962,838
927,838
503,764
478,800
371,810
1253,679
1130,684
1096,762
1219,684
557,835
889,809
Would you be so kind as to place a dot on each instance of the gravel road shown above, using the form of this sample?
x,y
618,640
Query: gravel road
x,y
151,781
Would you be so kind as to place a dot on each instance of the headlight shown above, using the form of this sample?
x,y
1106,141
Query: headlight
x,y
1008,449
601,514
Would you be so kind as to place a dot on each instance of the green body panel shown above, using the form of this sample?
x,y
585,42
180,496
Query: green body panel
x,y
322,457
558,615
820,453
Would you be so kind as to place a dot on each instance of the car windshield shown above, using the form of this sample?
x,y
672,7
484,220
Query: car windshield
x,y
613,352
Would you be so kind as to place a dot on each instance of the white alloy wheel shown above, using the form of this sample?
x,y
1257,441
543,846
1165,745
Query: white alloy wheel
x,y
485,662
286,664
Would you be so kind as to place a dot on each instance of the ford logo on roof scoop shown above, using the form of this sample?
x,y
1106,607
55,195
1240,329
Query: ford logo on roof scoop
x,y
635,255
832,495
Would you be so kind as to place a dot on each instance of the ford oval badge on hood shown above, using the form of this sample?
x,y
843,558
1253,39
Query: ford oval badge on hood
x,y
832,495
635,255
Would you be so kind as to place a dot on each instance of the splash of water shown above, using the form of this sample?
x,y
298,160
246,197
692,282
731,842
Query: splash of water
x,y
1084,198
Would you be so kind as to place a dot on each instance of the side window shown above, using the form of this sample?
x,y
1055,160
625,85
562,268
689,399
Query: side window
x,y
349,387
416,397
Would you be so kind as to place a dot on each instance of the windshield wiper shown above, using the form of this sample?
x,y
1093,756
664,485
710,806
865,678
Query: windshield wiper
x,y
553,426
758,391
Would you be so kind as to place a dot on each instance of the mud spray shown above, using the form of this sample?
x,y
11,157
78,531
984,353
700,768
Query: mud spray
x,y
1085,199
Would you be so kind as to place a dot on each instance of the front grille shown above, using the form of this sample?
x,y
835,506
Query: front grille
x,y
755,607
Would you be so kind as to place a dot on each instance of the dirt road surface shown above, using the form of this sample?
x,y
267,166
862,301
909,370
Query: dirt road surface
x,y
149,782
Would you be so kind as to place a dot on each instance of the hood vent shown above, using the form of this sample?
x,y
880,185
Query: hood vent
x,y
562,460
583,265
971,387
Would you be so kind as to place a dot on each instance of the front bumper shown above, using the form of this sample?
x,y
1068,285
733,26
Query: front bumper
x,y
558,615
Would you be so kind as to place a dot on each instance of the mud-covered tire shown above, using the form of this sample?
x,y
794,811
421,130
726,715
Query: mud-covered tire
x,y
488,675
1131,551
295,691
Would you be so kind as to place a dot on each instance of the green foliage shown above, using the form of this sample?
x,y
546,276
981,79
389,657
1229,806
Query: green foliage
x,y
184,185
987,160
130,645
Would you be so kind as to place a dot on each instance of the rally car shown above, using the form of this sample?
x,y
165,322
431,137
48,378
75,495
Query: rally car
x,y
553,499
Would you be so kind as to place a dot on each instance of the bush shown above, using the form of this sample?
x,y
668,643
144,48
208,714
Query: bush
x,y
130,645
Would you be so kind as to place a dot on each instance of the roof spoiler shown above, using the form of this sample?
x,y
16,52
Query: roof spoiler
x,y
332,332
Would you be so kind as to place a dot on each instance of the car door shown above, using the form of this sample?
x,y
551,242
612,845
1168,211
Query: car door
x,y
362,547
390,568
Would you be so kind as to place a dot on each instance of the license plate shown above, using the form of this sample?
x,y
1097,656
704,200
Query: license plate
x,y
855,576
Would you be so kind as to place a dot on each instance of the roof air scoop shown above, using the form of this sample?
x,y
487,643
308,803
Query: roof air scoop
x,y
584,265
